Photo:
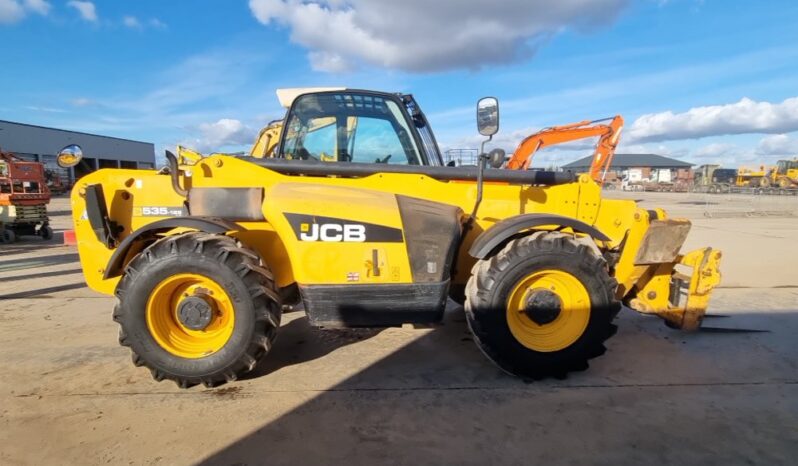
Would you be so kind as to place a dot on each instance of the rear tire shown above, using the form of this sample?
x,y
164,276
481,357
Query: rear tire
x,y
521,341
162,285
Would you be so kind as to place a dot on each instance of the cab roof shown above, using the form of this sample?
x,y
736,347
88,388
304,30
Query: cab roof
x,y
288,95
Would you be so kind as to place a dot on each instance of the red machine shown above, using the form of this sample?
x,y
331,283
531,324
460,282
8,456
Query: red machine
x,y
24,196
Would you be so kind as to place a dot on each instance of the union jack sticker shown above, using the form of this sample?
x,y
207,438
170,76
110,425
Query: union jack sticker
x,y
353,277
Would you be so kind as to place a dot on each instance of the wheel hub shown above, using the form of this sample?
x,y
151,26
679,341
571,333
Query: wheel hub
x,y
543,306
195,312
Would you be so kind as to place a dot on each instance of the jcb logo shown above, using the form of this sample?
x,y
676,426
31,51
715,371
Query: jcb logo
x,y
333,232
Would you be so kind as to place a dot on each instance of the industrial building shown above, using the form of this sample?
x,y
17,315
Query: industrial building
x,y
41,144
645,163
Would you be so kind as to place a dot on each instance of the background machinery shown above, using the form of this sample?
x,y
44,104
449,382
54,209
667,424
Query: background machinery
x,y
267,140
714,179
608,135
779,179
203,257
753,178
784,175
24,196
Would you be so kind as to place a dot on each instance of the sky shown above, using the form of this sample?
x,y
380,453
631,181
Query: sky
x,y
707,81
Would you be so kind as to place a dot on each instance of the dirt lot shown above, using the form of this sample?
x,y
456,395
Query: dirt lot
x,y
69,394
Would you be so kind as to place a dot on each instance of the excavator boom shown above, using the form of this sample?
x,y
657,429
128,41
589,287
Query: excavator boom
x,y
605,149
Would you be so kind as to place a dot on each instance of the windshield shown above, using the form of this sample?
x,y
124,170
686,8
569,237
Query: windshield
x,y
349,127
784,165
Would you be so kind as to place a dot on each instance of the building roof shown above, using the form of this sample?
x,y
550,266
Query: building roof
x,y
48,128
624,161
27,139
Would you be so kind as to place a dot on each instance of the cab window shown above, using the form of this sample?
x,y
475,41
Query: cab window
x,y
320,138
377,141
349,127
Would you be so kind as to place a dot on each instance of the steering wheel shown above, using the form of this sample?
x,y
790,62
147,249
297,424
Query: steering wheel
x,y
385,160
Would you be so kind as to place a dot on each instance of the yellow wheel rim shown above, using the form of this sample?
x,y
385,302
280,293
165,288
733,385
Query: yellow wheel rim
x,y
540,328
174,299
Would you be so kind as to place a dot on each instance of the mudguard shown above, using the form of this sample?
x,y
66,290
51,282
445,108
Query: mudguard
x,y
204,224
501,231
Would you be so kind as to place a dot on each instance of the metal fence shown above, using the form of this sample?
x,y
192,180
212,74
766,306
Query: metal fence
x,y
730,205
461,156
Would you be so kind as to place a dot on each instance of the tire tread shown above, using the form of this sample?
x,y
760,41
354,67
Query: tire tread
x,y
483,282
260,285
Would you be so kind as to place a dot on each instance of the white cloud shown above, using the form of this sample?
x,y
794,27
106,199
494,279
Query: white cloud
x,y
132,22
743,117
729,151
727,154
423,35
659,149
82,102
507,140
779,145
185,104
44,109
12,11
225,132
717,150
41,7
87,10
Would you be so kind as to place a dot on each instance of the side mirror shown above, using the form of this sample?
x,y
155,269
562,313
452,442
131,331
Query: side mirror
x,y
496,158
69,156
488,116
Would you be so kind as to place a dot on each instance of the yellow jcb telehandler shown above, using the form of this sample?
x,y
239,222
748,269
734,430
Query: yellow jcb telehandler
x,y
360,221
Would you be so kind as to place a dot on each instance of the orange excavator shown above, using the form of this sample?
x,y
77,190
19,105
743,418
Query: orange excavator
x,y
608,134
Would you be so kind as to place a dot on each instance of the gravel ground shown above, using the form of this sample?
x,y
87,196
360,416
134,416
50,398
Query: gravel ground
x,y
70,395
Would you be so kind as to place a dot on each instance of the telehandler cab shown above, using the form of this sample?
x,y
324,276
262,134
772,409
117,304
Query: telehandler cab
x,y
357,218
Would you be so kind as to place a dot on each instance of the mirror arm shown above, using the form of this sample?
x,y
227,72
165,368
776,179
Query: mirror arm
x,y
480,172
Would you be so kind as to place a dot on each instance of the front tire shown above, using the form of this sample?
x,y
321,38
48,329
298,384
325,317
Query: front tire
x,y
543,306
197,308
8,236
